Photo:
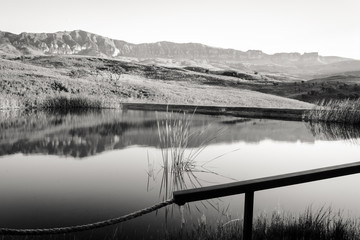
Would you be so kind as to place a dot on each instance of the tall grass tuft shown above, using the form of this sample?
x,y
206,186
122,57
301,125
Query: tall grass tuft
x,y
174,133
320,225
179,159
9,102
61,101
339,111
71,102
176,136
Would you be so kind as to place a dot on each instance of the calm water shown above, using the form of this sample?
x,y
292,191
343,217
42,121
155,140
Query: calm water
x,y
61,169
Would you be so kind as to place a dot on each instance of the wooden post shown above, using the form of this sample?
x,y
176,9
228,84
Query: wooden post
x,y
248,215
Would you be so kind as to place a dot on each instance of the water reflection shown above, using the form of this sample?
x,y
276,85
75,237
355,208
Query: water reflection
x,y
180,168
83,134
335,131
124,172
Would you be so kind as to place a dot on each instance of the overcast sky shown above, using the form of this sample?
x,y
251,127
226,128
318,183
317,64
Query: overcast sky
x,y
330,27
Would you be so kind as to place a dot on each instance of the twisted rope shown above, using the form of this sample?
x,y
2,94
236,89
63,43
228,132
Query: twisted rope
x,y
90,226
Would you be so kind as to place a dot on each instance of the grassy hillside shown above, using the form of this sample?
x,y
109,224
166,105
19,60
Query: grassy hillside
x,y
29,81
339,86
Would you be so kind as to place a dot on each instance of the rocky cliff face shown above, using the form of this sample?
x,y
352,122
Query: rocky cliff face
x,y
75,42
84,43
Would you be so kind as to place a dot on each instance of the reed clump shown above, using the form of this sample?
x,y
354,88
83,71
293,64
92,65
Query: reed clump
x,y
181,141
71,102
338,111
60,101
176,137
9,102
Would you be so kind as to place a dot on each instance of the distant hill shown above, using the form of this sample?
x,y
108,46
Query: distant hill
x,y
343,78
84,43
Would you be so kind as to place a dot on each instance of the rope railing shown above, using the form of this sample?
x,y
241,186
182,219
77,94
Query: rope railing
x,y
85,227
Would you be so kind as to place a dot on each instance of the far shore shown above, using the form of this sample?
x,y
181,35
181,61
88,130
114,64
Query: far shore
x,y
248,112
293,114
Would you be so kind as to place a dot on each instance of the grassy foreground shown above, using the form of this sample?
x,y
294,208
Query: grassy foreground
x,y
323,224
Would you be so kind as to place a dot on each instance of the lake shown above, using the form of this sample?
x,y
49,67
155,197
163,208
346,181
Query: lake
x,y
68,168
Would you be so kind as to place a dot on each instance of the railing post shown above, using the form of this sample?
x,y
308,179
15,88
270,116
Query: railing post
x,y
248,215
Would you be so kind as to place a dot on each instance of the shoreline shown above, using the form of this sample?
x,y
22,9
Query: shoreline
x,y
294,114
248,112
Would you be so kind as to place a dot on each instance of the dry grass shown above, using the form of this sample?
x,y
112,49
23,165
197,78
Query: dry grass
x,y
58,101
176,137
191,92
338,111
9,102
77,101
174,134
48,76
179,159
323,224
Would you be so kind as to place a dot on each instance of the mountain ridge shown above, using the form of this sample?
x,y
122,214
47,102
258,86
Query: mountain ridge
x,y
79,42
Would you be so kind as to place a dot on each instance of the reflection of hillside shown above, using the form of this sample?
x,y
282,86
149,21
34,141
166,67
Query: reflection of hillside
x,y
82,141
257,130
86,134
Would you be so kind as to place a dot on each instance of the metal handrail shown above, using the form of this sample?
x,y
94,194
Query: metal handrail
x,y
250,186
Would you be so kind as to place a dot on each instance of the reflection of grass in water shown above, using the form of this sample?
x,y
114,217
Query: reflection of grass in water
x,y
179,166
178,158
340,111
322,224
31,123
335,131
176,137
174,134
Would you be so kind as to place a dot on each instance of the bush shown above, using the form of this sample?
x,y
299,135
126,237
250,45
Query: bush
x,y
59,86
